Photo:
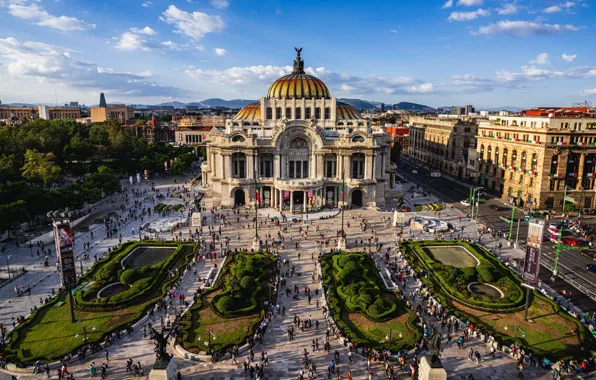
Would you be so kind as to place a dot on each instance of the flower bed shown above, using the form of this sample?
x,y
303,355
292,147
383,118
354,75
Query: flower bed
x,y
363,309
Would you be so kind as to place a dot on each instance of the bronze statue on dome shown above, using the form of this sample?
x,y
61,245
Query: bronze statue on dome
x,y
298,62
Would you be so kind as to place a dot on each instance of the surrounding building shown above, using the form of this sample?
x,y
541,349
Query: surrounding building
x,y
12,114
120,113
51,113
102,101
533,159
298,143
442,143
152,131
191,131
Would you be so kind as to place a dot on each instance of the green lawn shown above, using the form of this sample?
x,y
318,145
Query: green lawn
x,y
147,256
458,257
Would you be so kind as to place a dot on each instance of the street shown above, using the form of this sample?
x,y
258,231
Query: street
x,y
572,264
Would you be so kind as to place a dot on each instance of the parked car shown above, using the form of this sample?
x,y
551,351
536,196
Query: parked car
x,y
553,238
414,171
571,241
465,202
405,209
591,267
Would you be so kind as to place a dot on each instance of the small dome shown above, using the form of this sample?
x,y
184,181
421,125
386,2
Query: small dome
x,y
345,111
250,111
298,84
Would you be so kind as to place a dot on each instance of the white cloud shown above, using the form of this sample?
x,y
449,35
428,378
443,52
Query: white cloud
x,y
421,89
393,30
131,41
541,59
467,16
508,9
46,63
147,4
588,92
146,30
220,51
264,75
568,57
221,4
278,11
173,46
469,3
448,4
525,28
36,13
560,7
194,25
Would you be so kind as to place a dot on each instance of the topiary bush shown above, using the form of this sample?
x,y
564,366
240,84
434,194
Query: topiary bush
x,y
130,276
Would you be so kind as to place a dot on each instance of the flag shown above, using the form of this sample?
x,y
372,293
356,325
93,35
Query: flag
x,y
257,193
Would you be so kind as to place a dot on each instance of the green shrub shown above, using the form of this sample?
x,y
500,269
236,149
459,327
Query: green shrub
x,y
350,272
130,276
486,273
247,282
225,304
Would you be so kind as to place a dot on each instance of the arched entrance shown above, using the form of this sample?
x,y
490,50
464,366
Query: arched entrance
x,y
239,197
298,199
357,198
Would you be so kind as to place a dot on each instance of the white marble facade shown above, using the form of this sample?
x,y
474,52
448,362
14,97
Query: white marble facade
x,y
300,144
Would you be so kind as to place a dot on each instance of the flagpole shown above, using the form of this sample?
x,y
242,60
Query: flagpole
x,y
341,242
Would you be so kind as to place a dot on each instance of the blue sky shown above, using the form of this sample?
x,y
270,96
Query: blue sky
x,y
484,52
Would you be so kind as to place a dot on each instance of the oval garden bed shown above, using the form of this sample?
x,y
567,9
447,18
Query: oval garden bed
x,y
363,309
233,307
49,334
490,297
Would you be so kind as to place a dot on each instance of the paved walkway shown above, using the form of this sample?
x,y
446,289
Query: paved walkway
x,y
285,357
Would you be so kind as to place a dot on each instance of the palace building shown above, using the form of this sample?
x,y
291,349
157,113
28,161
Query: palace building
x,y
298,144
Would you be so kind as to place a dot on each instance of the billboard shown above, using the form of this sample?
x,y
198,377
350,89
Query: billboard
x,y
65,254
196,219
530,274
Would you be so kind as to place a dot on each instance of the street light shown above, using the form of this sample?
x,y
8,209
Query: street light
x,y
388,336
209,334
85,333
9,257
517,329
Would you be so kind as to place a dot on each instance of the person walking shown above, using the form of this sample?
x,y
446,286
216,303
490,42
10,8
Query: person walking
x,y
520,370
107,356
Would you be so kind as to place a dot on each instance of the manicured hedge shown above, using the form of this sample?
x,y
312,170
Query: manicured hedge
x,y
453,282
354,286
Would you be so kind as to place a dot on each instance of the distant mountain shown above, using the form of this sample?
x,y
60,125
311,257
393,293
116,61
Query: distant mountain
x,y
359,104
216,102
504,108
175,104
406,106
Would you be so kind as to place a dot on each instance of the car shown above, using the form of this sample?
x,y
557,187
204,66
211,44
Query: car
x,y
414,171
465,202
553,238
492,207
571,241
591,267
591,254
406,209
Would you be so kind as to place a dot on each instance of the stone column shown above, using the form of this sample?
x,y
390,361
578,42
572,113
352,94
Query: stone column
x,y
276,170
340,165
580,172
250,166
373,165
223,166
305,200
291,201
281,200
320,166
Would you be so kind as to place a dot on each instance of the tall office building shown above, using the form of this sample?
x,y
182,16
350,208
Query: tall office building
x,y
102,100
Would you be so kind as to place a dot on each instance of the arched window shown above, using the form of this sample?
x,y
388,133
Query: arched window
x,y
505,156
268,113
288,113
327,113
513,157
317,113
482,152
489,154
255,123
297,113
278,113
497,156
246,123
340,123
307,113
534,164
358,139
238,138
350,123
360,124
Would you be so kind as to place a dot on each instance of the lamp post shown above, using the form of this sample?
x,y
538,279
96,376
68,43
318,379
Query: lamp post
x,y
271,286
8,266
208,342
517,329
388,336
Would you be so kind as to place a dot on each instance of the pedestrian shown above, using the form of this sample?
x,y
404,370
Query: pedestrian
x,y
520,370
107,356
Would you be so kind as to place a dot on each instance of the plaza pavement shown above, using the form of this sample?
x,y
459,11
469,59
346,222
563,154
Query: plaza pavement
x,y
285,357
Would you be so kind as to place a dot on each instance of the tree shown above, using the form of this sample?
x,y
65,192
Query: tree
x,y
40,166
103,181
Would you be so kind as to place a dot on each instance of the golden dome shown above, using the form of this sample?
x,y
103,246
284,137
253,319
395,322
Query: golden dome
x,y
250,111
344,111
298,84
